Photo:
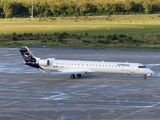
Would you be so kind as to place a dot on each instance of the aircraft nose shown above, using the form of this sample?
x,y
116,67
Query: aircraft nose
x,y
150,72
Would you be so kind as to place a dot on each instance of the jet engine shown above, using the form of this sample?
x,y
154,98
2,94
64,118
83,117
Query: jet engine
x,y
43,62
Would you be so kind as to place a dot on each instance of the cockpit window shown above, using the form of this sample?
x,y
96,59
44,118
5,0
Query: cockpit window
x,y
142,67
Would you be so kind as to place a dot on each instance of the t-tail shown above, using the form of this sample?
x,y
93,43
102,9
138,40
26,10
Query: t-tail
x,y
29,58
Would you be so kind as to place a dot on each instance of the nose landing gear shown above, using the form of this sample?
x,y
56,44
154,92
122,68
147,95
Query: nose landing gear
x,y
145,77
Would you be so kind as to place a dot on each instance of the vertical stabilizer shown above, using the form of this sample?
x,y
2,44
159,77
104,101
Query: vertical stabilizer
x,y
27,55
29,58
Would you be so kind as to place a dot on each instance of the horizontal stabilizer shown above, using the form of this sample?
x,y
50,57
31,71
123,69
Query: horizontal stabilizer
x,y
43,71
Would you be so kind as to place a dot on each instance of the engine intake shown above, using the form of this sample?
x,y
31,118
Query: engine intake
x,y
43,62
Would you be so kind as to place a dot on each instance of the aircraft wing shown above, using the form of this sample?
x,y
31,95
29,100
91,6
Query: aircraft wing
x,y
74,72
68,72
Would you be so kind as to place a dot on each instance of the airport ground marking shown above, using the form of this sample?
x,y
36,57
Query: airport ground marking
x,y
33,116
156,96
8,104
7,110
149,100
119,102
137,111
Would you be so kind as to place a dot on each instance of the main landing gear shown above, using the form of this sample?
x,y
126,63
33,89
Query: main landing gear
x,y
145,77
79,75
73,76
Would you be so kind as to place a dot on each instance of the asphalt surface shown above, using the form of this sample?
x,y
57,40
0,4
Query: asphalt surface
x,y
28,94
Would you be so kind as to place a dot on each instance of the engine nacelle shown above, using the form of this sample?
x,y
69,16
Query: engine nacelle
x,y
43,62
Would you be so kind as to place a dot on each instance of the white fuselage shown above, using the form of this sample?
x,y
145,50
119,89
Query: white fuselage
x,y
76,68
97,67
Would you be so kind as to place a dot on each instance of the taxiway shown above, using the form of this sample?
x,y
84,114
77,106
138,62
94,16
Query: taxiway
x,y
28,94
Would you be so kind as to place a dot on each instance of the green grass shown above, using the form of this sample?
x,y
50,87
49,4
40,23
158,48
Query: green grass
x,y
144,30
127,24
80,28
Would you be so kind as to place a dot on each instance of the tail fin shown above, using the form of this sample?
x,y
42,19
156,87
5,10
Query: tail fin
x,y
30,59
27,55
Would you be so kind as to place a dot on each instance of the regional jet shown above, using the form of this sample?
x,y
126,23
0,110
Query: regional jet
x,y
77,68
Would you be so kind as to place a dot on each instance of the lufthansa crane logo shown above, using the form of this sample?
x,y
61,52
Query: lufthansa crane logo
x,y
27,56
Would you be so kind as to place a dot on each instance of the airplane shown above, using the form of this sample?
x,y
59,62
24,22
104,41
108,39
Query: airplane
x,y
77,68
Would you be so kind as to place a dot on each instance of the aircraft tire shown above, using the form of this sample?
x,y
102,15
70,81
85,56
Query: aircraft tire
x,y
72,76
79,75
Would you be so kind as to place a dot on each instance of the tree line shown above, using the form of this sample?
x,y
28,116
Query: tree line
x,y
47,8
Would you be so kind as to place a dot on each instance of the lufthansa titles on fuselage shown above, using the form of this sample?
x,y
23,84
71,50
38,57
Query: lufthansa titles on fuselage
x,y
123,65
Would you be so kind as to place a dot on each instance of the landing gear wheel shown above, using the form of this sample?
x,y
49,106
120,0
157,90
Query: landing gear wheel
x,y
72,76
79,75
145,77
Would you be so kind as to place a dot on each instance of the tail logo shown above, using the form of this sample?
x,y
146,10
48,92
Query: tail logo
x,y
27,56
